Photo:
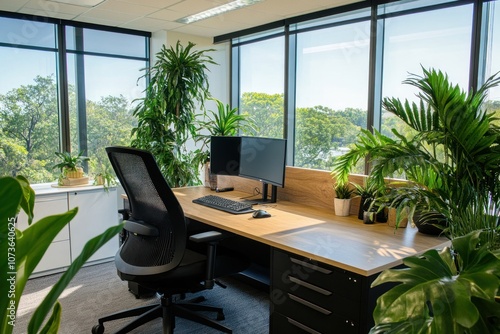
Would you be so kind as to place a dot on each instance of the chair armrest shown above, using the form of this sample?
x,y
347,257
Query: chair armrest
x,y
208,236
141,228
211,238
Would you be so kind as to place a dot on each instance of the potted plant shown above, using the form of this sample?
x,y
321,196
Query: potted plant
x,y
368,192
451,159
453,290
226,121
30,245
71,168
105,179
166,115
342,200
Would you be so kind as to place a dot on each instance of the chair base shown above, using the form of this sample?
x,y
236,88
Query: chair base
x,y
167,310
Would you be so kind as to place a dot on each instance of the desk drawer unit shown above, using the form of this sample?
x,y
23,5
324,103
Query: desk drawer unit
x,y
311,297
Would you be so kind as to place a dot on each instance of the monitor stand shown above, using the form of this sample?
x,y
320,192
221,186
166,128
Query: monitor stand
x,y
264,199
274,193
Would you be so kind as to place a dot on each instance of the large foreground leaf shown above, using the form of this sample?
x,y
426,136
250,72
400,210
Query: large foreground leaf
x,y
24,249
90,248
440,295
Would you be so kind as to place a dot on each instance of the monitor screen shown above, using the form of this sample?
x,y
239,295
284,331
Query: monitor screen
x,y
263,159
225,155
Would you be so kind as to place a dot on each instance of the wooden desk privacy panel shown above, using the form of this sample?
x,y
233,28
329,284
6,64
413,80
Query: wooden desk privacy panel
x,y
310,187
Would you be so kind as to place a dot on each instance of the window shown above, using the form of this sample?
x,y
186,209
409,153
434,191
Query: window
x,y
29,115
102,83
103,114
493,55
262,85
443,43
331,91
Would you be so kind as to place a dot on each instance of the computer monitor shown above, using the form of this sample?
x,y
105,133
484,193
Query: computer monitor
x,y
264,159
257,158
225,155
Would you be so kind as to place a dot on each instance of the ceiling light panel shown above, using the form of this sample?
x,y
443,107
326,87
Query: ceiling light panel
x,y
233,5
83,3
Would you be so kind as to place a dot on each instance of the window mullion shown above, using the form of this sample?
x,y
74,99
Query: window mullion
x,y
65,141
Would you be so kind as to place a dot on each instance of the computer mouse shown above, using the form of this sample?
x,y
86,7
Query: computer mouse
x,y
261,214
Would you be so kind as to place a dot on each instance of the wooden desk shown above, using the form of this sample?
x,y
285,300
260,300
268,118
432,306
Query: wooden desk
x,y
315,233
317,257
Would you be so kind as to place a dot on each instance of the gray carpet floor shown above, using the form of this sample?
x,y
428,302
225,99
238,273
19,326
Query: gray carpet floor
x,y
97,291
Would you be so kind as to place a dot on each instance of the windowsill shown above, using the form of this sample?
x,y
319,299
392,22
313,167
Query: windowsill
x,y
42,186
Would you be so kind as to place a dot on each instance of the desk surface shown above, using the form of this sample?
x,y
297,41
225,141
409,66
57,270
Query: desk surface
x,y
315,233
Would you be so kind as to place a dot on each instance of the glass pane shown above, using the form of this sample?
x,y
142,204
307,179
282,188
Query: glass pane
x,y
103,115
493,64
23,32
398,6
262,85
29,132
443,43
332,92
108,42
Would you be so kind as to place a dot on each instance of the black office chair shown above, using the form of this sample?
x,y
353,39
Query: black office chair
x,y
154,252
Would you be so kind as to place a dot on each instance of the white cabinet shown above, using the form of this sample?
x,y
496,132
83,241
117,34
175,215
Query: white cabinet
x,y
58,254
97,211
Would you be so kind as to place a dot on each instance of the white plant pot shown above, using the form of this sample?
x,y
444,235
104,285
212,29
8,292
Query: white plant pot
x,y
342,206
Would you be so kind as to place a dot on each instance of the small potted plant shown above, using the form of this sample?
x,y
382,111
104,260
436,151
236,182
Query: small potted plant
x,y
342,200
105,179
71,169
367,192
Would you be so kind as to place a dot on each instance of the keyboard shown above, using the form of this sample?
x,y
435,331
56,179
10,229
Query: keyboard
x,y
224,204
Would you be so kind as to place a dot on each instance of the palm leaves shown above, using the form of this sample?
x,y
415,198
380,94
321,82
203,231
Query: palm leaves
x,y
453,160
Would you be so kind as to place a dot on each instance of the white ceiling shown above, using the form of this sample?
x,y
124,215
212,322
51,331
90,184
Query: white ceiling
x,y
155,15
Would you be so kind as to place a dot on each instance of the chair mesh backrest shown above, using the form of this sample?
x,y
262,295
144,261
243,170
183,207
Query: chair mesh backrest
x,y
153,202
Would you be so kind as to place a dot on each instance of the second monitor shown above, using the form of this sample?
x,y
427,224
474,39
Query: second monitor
x,y
257,158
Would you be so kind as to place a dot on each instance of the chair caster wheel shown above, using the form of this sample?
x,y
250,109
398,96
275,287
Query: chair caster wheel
x,y
98,329
220,316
